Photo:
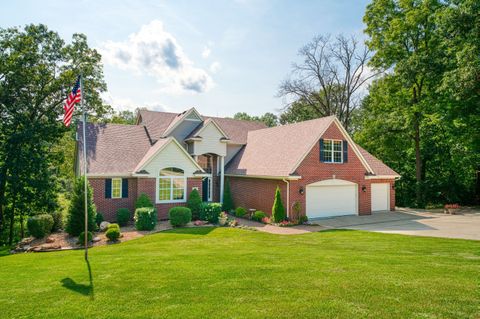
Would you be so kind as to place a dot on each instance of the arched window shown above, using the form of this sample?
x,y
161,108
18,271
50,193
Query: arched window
x,y
171,185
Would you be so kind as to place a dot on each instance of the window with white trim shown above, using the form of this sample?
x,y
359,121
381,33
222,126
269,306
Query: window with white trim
x,y
172,185
332,151
116,188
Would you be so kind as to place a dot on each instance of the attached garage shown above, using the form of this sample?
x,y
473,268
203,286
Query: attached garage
x,y
333,197
380,197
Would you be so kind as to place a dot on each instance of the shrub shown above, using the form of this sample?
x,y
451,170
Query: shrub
x,y
113,225
227,198
278,211
76,212
194,203
40,225
296,208
57,221
81,237
123,216
99,218
240,212
145,218
302,219
210,212
113,233
179,216
143,201
259,215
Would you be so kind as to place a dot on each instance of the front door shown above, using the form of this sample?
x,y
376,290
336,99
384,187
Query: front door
x,y
207,189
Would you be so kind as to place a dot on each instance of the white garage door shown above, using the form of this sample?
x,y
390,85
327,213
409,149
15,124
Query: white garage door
x,y
380,197
331,198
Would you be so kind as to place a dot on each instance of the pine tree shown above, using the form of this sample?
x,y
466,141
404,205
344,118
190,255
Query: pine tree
x,y
278,211
76,216
227,198
194,203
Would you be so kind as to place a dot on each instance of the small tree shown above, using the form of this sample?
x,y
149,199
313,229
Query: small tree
x,y
278,211
76,212
227,198
194,203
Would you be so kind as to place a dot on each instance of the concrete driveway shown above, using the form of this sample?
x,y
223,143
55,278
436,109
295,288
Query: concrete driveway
x,y
465,225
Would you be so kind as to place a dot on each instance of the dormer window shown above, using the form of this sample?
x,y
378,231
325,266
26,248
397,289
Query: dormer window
x,y
333,151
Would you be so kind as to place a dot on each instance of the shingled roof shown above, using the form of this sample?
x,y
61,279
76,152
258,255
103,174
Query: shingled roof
x,y
158,122
112,149
379,168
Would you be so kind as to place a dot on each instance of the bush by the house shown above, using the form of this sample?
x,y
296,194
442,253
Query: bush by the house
x,y
81,237
40,225
113,233
99,218
143,201
194,203
123,216
57,221
113,225
258,215
302,219
145,218
296,208
240,212
278,211
76,212
227,198
210,212
179,216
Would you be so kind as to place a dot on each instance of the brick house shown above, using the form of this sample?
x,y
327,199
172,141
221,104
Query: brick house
x,y
317,166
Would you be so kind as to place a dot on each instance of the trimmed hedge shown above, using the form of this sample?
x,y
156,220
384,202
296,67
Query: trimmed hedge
x,y
240,212
194,203
143,201
81,237
210,212
145,218
259,215
113,233
40,225
179,216
123,216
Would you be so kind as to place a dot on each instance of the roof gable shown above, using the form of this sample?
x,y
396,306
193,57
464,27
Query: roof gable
x,y
191,114
197,133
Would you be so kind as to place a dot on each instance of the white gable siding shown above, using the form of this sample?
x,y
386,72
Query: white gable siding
x,y
170,156
210,142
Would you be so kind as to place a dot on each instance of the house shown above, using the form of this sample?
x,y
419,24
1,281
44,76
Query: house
x,y
166,155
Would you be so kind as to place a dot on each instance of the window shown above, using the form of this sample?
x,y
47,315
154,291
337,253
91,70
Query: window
x,y
172,185
332,151
116,187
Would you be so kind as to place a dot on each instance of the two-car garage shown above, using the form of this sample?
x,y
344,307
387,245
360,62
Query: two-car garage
x,y
336,197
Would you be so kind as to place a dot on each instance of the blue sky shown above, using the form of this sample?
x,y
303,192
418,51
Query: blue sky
x,y
222,57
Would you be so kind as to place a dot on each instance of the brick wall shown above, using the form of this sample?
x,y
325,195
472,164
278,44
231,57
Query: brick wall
x,y
259,193
256,193
109,206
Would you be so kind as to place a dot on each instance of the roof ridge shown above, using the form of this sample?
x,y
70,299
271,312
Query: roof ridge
x,y
293,124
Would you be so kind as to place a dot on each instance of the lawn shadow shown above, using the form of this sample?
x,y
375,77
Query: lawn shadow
x,y
86,290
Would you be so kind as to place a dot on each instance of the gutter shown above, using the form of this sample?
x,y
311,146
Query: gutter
x,y
288,196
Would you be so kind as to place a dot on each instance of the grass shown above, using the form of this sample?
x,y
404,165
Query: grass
x,y
231,273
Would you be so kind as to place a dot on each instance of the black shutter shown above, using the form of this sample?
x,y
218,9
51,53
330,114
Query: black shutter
x,y
108,188
321,150
124,188
345,151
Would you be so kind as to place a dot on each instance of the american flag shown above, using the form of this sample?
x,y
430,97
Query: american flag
x,y
72,99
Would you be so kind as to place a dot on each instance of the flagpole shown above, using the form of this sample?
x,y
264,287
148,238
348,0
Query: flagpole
x,y
84,165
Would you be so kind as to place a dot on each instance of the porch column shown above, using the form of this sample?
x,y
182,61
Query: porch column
x,y
222,177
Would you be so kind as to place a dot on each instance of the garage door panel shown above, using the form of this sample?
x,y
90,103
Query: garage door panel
x,y
380,197
328,201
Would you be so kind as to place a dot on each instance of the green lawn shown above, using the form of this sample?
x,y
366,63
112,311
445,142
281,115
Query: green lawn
x,y
230,273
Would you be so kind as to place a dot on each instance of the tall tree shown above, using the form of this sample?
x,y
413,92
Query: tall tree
x,y
403,37
36,69
330,78
269,119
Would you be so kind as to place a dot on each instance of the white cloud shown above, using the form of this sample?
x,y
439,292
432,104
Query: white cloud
x,y
154,51
214,67
206,52
125,104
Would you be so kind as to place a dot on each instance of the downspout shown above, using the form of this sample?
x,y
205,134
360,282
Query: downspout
x,y
288,196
